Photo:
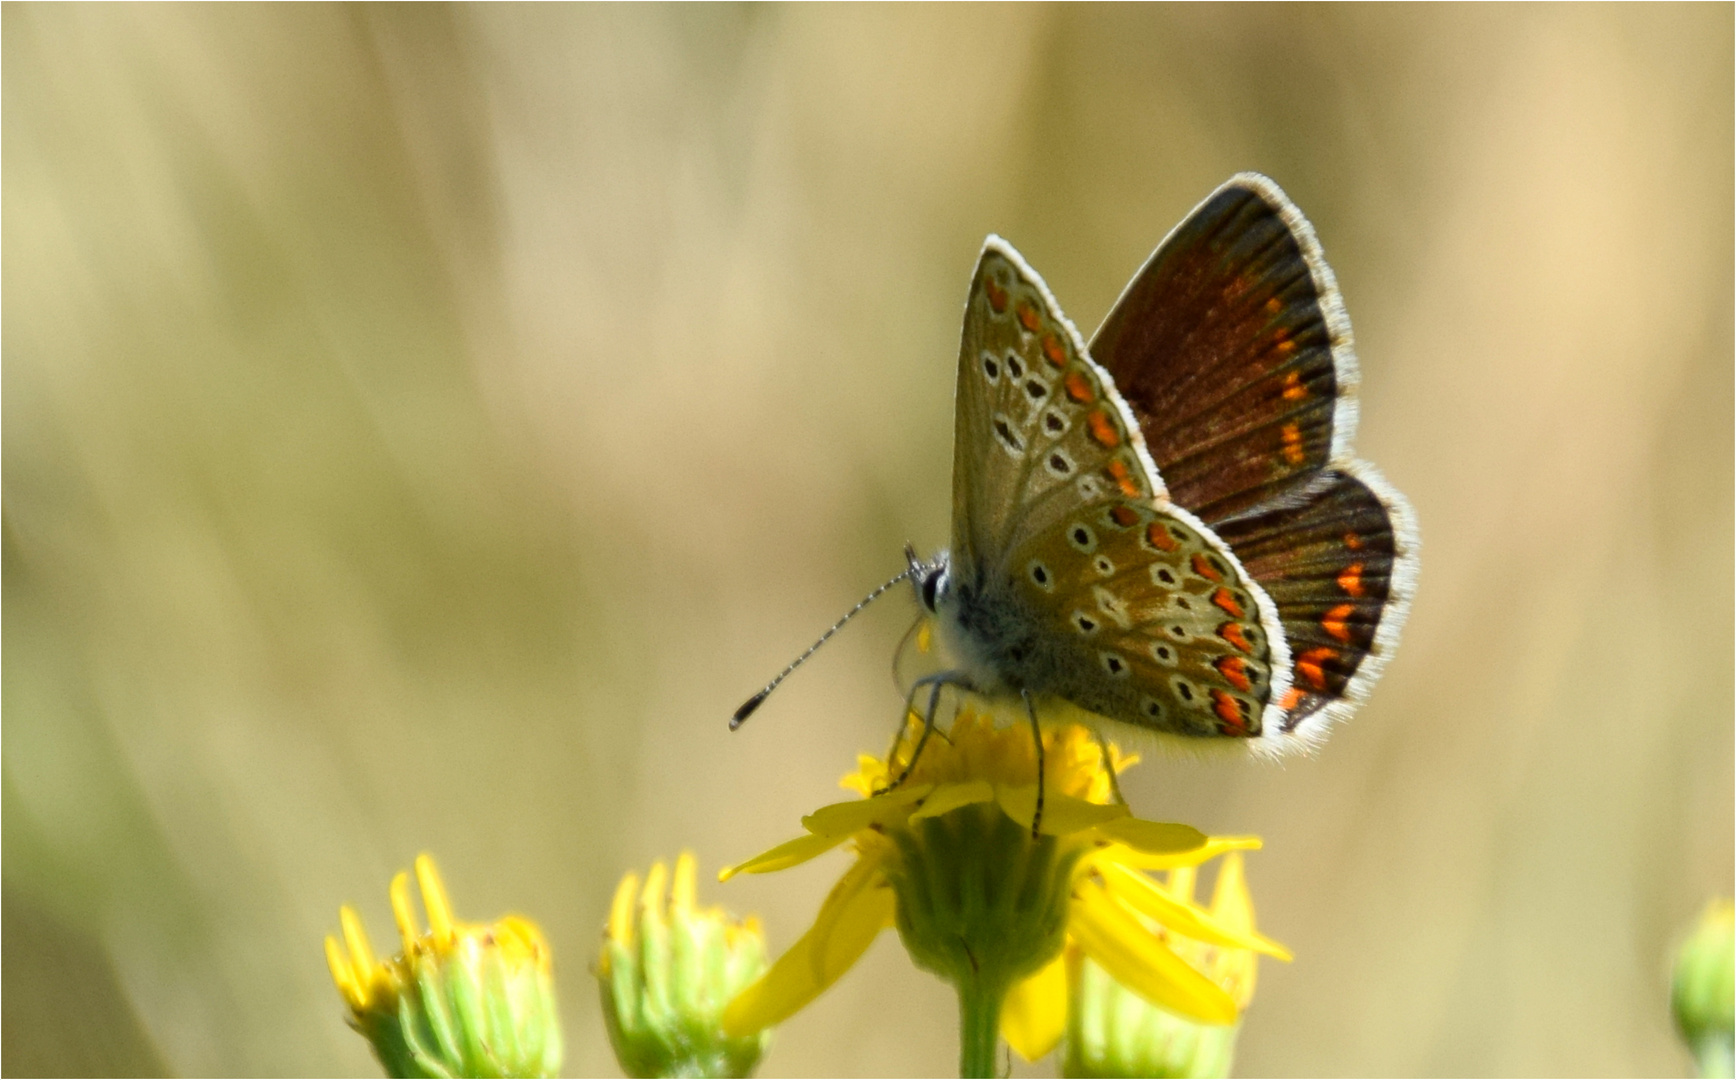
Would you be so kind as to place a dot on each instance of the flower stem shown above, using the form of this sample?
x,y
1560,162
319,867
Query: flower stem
x,y
979,1024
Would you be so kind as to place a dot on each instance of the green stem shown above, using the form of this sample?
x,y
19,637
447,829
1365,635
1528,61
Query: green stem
x,y
1713,1053
979,1025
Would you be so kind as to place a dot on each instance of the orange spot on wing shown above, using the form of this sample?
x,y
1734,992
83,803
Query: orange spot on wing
x,y
1229,710
1235,669
1336,621
1052,349
1293,388
1158,537
1274,305
1101,429
1292,698
1285,348
1293,452
1353,541
1028,318
1123,516
1308,666
1223,599
1204,568
1118,475
1230,632
1078,387
1350,580
997,295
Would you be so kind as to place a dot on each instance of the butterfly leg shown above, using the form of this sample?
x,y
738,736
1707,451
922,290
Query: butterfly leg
x,y
1109,767
1036,733
904,721
935,683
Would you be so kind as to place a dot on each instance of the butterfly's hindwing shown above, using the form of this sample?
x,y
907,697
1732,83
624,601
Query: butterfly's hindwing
x,y
1072,573
1340,567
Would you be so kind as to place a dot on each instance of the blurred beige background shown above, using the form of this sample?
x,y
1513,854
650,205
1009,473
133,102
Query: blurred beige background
x,y
423,426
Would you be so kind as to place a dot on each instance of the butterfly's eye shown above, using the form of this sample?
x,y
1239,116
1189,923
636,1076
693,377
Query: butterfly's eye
x,y
1152,708
1084,623
1083,538
1113,664
1009,438
1162,575
1054,423
1163,654
1036,389
1058,464
1104,566
992,368
1014,368
1183,689
931,587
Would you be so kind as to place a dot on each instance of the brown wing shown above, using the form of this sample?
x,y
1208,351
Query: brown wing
x,y
1232,347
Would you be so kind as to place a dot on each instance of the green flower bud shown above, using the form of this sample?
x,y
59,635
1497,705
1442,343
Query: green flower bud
x,y
667,969
460,1000
1702,994
1112,1031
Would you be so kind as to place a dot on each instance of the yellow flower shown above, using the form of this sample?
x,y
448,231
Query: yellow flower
x,y
667,969
1113,1032
948,858
461,999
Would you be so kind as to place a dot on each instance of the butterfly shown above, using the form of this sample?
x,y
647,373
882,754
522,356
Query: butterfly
x,y
1168,527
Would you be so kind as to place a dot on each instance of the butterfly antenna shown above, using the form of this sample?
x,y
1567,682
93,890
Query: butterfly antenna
x,y
752,703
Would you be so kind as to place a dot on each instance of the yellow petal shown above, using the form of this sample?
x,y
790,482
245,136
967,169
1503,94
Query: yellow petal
x,y
853,915
1181,882
1063,814
785,855
869,775
434,899
1135,958
346,982
1211,849
1231,904
404,911
621,910
949,797
864,875
844,818
1154,837
356,938
682,893
1143,895
651,897
1034,1016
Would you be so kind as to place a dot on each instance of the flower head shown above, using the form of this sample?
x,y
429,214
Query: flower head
x,y
461,999
667,969
948,857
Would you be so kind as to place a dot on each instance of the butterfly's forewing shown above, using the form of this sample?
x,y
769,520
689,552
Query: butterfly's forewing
x,y
1224,344
1232,348
1067,545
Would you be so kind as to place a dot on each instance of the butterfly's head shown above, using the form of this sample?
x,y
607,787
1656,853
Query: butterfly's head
x,y
929,577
